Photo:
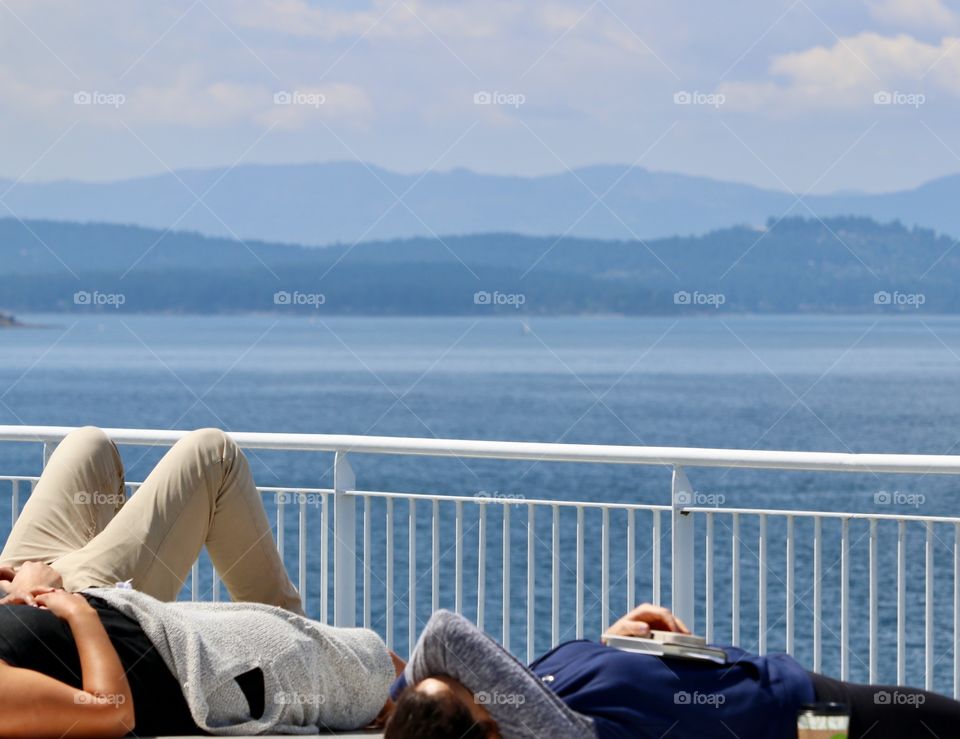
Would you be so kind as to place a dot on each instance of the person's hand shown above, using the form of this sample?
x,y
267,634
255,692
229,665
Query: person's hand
x,y
31,578
64,605
646,617
24,597
7,574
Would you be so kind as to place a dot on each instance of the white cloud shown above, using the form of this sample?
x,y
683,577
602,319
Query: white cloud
x,y
848,73
917,14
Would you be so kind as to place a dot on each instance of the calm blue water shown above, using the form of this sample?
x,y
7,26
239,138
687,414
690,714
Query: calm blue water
x,y
808,383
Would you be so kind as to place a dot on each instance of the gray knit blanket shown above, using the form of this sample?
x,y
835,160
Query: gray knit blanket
x,y
316,676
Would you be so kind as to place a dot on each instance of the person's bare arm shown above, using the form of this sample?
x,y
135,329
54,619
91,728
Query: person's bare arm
x,y
36,705
645,617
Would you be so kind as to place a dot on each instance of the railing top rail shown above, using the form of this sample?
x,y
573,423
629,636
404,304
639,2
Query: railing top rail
x,y
533,451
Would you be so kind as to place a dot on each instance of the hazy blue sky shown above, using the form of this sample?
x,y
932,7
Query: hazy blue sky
x,y
782,94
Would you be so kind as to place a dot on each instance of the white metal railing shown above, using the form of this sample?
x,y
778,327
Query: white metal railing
x,y
549,562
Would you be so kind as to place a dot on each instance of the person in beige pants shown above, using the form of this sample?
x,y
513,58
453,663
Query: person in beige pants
x,y
80,523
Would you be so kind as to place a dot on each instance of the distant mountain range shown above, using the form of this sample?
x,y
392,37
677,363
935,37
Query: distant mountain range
x,y
320,204
793,265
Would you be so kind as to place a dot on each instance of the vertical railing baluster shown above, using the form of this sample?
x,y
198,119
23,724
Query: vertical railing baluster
x,y
325,559
302,552
506,576
555,579
790,586
655,579
631,558
928,625
458,556
281,500
762,587
195,581
901,602
580,572
817,592
367,559
531,582
708,577
845,600
411,574
389,564
605,569
435,571
956,611
14,503
873,668
873,597
482,566
682,549
735,580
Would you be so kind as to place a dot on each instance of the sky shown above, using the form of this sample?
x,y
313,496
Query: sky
x,y
803,95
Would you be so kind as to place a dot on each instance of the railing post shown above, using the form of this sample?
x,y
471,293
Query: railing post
x,y
682,544
48,448
344,543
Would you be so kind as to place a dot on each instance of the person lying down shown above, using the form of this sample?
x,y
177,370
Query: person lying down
x,y
460,683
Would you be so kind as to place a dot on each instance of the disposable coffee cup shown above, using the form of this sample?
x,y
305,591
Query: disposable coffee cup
x,y
823,721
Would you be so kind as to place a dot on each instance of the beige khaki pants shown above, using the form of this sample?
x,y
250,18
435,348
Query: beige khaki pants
x,y
201,493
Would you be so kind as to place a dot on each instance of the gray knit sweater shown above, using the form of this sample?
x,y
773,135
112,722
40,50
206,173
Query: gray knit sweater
x,y
316,676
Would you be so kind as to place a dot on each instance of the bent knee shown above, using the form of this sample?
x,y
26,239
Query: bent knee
x,y
91,438
210,441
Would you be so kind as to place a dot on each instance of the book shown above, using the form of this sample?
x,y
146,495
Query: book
x,y
668,644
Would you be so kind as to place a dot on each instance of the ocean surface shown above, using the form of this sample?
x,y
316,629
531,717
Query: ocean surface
x,y
860,384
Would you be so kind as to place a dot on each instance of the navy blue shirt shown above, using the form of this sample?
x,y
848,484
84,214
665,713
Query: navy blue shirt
x,y
638,695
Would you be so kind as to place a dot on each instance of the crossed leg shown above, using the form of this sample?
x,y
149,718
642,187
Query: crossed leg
x,y
200,493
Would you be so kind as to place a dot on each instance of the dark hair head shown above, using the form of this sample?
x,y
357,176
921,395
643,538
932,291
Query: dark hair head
x,y
420,715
